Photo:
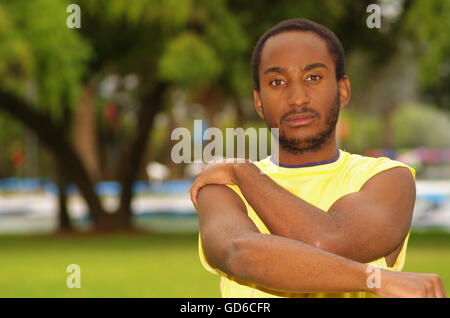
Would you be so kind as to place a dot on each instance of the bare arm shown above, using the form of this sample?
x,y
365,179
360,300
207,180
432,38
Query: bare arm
x,y
362,226
232,244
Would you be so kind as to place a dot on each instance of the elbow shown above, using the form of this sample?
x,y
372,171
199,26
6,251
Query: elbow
x,y
239,258
324,245
340,247
328,244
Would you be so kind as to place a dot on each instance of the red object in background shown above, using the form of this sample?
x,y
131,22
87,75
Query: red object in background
x,y
424,155
18,158
110,114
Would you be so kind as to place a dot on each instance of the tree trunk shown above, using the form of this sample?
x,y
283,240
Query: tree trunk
x,y
53,135
85,133
64,224
211,100
132,160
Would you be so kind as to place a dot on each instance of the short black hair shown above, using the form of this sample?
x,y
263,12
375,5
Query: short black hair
x,y
333,43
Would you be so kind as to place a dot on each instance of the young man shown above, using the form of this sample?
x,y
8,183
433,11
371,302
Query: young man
x,y
328,211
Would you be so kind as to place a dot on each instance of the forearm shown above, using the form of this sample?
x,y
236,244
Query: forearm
x,y
282,212
283,264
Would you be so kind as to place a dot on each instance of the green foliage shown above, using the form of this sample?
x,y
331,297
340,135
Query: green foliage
x,y
226,33
188,43
12,137
364,132
15,53
421,125
210,50
429,22
188,59
170,13
49,56
413,125
204,44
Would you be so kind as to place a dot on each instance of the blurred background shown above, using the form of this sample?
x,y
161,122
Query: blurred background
x,y
86,116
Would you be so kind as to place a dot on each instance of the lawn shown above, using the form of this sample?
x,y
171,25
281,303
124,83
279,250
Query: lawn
x,y
153,265
429,252
111,266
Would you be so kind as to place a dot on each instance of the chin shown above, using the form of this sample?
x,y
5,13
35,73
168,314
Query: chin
x,y
303,141
301,136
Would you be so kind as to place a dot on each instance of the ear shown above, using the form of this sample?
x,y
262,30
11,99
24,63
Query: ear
x,y
344,90
258,104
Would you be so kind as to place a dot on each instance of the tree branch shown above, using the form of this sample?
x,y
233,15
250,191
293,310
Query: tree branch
x,y
53,135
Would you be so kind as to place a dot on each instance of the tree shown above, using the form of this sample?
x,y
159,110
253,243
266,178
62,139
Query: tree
x,y
50,74
32,88
142,38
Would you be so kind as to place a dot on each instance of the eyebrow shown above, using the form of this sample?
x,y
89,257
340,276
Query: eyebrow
x,y
308,67
313,66
275,70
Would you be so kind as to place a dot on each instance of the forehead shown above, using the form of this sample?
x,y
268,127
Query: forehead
x,y
295,49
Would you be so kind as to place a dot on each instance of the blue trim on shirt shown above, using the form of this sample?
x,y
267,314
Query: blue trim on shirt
x,y
311,164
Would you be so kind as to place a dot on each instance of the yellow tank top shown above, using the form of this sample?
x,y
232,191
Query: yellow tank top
x,y
321,185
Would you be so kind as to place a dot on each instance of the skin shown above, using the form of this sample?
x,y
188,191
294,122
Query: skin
x,y
232,243
315,249
292,83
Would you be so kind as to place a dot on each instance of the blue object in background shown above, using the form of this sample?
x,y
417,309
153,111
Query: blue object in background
x,y
171,187
102,188
108,188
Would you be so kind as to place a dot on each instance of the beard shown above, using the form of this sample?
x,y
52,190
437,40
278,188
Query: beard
x,y
314,143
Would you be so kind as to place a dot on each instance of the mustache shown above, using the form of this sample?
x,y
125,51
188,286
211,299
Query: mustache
x,y
304,110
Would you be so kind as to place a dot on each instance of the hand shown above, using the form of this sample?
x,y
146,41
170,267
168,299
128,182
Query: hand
x,y
410,285
215,172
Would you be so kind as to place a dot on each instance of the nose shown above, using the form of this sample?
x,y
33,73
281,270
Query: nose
x,y
297,95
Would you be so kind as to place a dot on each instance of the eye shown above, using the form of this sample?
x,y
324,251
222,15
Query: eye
x,y
313,78
277,82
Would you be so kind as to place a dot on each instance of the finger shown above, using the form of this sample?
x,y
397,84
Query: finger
x,y
436,284
192,192
194,197
431,291
192,187
440,288
437,288
439,291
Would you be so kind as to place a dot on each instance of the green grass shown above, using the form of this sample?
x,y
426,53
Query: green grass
x,y
111,266
154,265
429,252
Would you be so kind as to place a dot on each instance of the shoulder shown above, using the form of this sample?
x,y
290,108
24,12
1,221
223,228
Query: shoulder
x,y
363,171
371,166
396,178
382,172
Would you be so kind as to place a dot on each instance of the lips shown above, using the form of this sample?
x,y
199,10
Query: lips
x,y
299,119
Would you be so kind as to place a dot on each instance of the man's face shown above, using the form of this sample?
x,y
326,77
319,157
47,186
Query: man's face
x,y
298,90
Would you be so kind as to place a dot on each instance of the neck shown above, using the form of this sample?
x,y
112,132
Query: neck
x,y
326,152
